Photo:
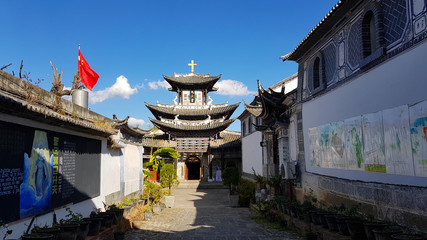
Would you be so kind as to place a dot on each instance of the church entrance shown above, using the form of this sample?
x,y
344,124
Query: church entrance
x,y
193,168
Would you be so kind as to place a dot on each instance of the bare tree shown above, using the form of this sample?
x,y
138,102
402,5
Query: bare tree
x,y
58,87
76,82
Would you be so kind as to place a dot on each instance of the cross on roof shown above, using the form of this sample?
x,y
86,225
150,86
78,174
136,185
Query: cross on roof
x,y
192,64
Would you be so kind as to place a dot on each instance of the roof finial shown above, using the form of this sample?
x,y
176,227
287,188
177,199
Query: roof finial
x,y
192,64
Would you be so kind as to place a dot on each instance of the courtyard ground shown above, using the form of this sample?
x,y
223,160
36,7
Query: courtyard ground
x,y
204,214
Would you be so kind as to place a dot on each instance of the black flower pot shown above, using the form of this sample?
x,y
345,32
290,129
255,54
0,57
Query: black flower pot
x,y
94,225
342,225
68,231
332,222
356,229
369,226
53,230
37,236
83,230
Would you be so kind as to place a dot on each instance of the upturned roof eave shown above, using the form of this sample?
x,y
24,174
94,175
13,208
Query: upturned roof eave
x,y
224,110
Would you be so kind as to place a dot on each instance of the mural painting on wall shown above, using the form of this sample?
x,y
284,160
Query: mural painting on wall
x,y
42,170
392,141
373,142
418,116
36,189
353,143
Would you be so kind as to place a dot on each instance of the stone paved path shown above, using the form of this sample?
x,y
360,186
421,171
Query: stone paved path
x,y
203,215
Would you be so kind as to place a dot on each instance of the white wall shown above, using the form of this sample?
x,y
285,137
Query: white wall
x,y
252,153
399,81
110,170
132,169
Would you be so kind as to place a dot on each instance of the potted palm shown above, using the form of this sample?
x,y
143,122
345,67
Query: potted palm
x,y
169,178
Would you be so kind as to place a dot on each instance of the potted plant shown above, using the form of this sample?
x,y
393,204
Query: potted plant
x,y
70,226
47,229
274,183
231,178
169,179
148,212
259,180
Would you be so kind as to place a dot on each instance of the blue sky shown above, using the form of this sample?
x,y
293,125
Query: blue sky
x,y
130,44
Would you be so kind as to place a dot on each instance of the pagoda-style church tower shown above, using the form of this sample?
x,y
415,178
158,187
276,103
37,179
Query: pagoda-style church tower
x,y
193,121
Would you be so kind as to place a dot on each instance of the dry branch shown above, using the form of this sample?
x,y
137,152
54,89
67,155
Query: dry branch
x,y
5,66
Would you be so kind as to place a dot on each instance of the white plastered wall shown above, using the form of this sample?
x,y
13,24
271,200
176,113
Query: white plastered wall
x,y
132,169
252,153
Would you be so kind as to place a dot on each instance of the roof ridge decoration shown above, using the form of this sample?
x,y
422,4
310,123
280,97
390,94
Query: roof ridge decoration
x,y
323,25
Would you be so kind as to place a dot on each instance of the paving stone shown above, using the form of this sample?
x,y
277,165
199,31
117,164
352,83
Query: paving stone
x,y
204,214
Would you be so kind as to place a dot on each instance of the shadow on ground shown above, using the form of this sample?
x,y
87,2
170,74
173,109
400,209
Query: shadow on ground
x,y
204,214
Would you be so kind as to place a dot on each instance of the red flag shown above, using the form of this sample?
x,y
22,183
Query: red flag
x,y
87,76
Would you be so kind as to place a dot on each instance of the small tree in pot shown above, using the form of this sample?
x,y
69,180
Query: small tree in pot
x,y
231,178
168,178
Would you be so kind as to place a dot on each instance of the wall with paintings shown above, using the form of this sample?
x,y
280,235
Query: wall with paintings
x,y
45,168
372,128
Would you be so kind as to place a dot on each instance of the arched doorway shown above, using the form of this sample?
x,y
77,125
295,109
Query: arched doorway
x,y
192,168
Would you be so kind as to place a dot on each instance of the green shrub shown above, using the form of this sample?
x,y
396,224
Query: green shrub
x,y
168,177
246,191
153,190
230,176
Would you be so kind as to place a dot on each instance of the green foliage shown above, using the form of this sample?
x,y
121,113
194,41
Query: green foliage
x,y
162,153
230,176
71,217
146,172
153,190
246,191
168,177
112,207
353,211
258,178
275,181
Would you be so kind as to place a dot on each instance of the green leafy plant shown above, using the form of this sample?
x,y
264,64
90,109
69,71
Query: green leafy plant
x,y
156,158
168,177
246,191
153,191
71,217
275,181
258,177
230,178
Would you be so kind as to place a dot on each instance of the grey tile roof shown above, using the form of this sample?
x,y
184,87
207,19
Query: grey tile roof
x,y
185,128
192,81
216,111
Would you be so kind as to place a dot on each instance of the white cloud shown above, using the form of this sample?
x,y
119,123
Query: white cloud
x,y
232,88
159,84
135,122
120,89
